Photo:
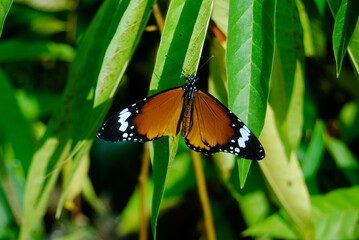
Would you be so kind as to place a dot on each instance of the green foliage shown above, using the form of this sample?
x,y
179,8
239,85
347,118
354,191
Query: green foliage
x,y
65,67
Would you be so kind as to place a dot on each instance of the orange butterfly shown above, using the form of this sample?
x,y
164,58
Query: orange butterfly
x,y
207,125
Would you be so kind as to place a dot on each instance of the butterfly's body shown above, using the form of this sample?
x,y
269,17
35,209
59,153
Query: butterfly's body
x,y
189,94
207,125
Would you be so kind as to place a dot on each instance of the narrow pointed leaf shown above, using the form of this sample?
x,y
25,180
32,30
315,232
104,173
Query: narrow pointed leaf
x,y
287,80
4,9
314,154
182,39
249,58
100,40
345,22
353,48
21,139
129,22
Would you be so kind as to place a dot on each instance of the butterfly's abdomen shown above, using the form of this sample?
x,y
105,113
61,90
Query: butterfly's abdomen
x,y
186,116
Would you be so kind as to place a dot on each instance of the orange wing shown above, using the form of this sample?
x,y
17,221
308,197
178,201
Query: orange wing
x,y
146,120
216,129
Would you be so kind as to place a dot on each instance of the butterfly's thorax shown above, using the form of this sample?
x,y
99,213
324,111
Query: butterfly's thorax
x,y
189,94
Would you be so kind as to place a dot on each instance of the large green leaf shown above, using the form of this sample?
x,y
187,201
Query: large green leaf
x,y
249,58
345,22
121,41
16,149
20,138
97,62
274,226
4,9
182,39
287,80
336,214
285,178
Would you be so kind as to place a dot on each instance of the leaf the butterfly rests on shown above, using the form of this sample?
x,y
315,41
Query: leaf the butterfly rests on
x,y
207,125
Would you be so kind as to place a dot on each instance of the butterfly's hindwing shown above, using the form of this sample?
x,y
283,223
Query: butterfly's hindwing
x,y
216,129
244,144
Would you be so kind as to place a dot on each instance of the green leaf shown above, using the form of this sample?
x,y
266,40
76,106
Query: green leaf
x,y
321,4
21,138
344,158
287,80
182,39
334,6
345,22
336,214
314,154
38,104
249,58
308,38
4,9
274,226
107,36
353,49
255,206
19,50
121,40
285,178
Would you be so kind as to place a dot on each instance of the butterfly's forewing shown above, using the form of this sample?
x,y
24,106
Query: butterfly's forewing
x,y
146,120
216,129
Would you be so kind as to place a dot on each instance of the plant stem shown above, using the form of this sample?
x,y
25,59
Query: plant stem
x,y
158,17
203,195
142,179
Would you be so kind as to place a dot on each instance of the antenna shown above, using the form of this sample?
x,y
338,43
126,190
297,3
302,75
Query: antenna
x,y
183,71
195,73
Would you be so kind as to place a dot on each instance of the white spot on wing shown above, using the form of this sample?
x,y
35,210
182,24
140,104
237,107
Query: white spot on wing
x,y
247,129
244,138
124,110
123,116
125,135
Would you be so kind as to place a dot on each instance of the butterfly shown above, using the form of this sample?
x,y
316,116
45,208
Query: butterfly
x,y
207,125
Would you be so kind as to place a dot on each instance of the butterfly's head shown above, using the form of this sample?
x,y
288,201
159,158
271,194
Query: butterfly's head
x,y
191,80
